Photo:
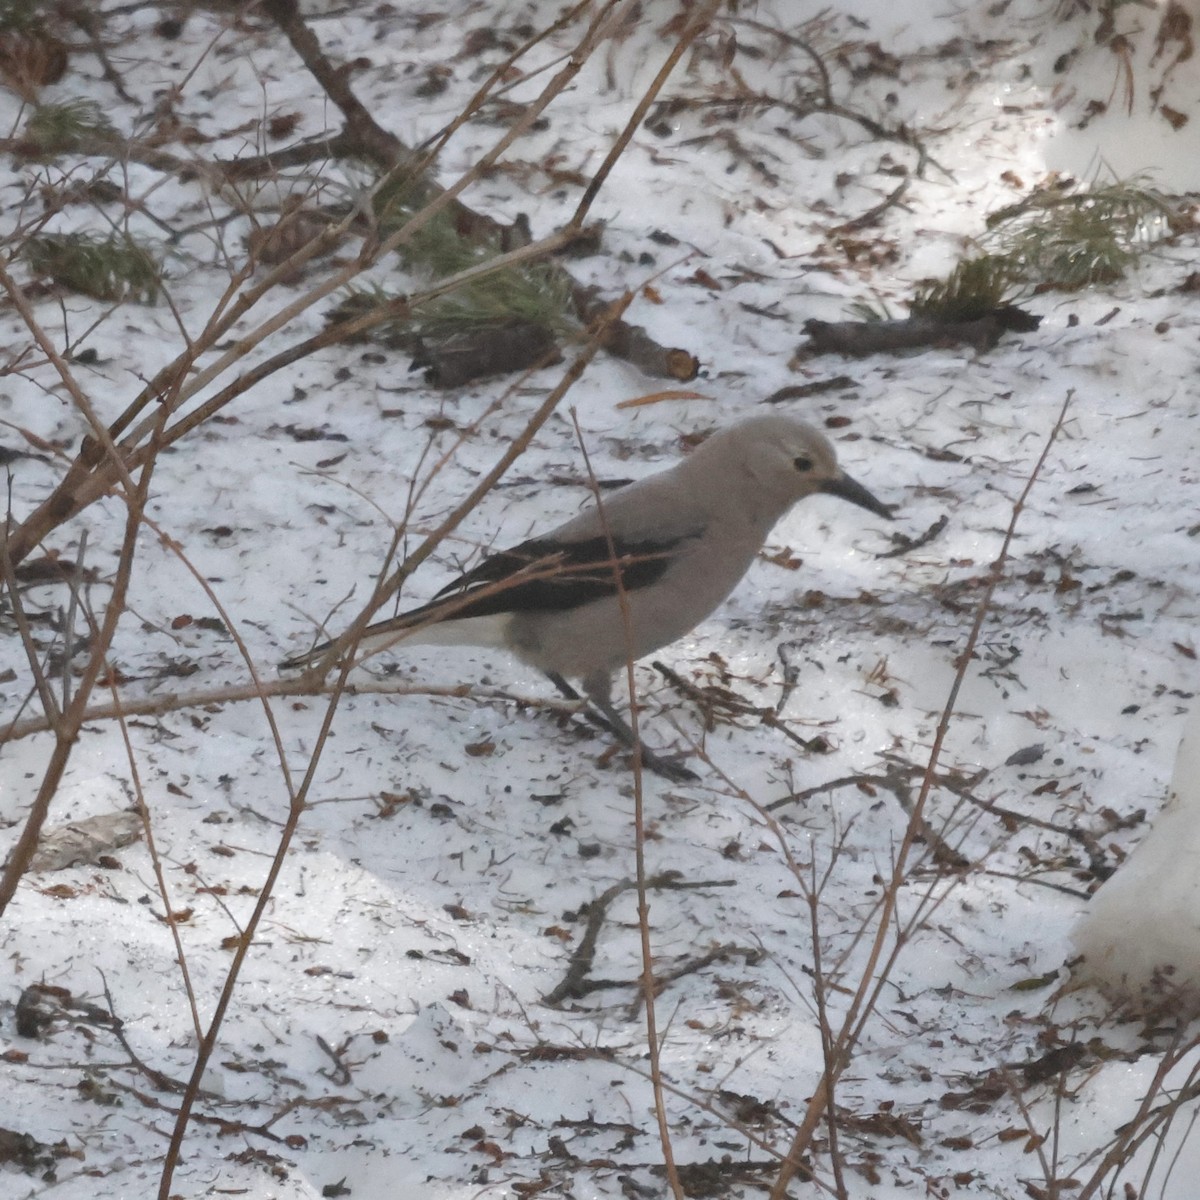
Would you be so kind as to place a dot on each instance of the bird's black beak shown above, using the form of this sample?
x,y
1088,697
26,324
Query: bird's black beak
x,y
849,489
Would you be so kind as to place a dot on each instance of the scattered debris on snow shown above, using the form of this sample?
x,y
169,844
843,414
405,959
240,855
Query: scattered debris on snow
x,y
444,997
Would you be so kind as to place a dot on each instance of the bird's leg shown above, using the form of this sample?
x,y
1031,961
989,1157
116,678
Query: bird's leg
x,y
602,712
589,710
563,686
598,689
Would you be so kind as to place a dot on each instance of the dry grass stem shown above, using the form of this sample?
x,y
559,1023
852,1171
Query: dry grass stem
x,y
649,988
874,979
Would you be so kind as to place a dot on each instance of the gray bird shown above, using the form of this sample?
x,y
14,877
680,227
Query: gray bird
x,y
678,541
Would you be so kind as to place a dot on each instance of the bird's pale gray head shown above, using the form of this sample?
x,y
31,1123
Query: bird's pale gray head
x,y
787,460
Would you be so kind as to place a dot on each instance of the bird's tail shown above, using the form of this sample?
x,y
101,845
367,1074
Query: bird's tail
x,y
421,627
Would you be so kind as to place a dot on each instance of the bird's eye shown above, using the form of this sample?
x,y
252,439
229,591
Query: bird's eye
x,y
802,463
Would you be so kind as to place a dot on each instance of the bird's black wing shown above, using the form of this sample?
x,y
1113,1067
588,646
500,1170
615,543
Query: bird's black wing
x,y
543,575
538,576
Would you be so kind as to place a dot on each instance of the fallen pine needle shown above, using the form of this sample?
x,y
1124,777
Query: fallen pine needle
x,y
659,397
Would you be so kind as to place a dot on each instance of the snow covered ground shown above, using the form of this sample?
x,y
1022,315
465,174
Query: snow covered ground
x,y
390,1033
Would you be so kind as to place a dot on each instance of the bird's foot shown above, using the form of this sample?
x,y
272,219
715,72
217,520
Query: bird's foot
x,y
668,767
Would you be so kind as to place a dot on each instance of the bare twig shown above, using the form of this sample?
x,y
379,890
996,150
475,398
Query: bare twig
x,y
71,720
390,586
639,829
299,795
872,980
697,22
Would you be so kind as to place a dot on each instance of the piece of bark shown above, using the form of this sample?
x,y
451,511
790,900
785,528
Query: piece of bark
x,y
801,391
629,342
633,344
857,338
377,143
297,226
485,351
362,135
86,841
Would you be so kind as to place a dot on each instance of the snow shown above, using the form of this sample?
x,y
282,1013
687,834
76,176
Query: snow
x,y
389,1027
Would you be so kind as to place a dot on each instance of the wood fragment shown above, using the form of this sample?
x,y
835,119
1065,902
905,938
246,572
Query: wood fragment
x,y
904,543
801,391
660,397
858,338
577,982
633,344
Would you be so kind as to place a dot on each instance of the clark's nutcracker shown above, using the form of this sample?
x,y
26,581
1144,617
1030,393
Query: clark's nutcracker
x,y
678,542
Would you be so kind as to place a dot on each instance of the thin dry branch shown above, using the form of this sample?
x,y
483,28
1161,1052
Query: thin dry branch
x,y
576,982
1147,1122
696,23
71,721
91,475
161,703
300,794
369,138
875,973
639,828
346,645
